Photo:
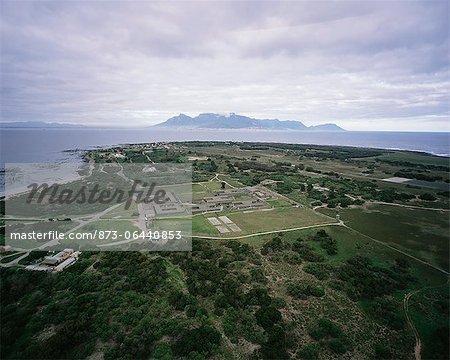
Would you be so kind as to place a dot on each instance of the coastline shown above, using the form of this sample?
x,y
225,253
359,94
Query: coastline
x,y
63,145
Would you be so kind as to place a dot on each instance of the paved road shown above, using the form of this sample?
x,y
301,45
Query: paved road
x,y
15,261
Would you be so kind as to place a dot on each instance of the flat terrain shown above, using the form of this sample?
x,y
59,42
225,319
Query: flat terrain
x,y
261,221
423,233
291,281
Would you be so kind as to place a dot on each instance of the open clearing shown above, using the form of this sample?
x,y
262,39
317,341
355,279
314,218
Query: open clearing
x,y
260,221
422,233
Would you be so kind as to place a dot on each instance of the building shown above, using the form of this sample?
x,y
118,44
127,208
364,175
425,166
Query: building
x,y
205,208
249,204
38,267
5,248
219,199
172,205
69,261
56,263
58,258
238,191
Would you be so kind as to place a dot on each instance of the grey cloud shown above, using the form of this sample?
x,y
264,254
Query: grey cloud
x,y
111,62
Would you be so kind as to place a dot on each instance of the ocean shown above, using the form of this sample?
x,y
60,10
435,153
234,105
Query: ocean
x,y
60,145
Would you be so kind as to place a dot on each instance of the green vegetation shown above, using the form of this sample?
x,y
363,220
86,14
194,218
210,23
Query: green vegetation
x,y
408,229
319,290
302,290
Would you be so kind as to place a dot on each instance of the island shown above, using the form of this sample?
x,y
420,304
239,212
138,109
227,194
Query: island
x,y
298,251
235,121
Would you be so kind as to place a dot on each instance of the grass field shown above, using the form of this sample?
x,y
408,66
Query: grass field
x,y
213,185
279,218
422,233
233,182
415,158
121,212
201,226
261,221
280,202
351,243
198,188
207,188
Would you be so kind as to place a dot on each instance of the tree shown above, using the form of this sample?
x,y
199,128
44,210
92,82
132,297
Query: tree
x,y
427,197
268,316
309,352
202,340
213,166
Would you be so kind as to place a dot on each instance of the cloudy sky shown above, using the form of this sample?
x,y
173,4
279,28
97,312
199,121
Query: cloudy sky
x,y
363,65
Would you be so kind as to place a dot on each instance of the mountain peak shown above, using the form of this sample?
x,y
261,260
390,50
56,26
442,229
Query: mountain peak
x,y
235,121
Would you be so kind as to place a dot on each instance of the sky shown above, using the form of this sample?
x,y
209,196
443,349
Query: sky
x,y
364,65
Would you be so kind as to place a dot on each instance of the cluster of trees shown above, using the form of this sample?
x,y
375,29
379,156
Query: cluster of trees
x,y
237,323
287,187
427,197
125,299
320,270
132,156
332,174
197,341
340,187
342,201
309,352
292,258
302,290
299,250
327,333
387,310
286,183
335,196
341,153
416,175
388,195
367,281
326,242
208,166
249,311
316,151
440,347
306,251
270,319
414,165
311,169
274,245
165,155
264,167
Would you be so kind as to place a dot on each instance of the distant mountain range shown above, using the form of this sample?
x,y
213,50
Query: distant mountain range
x,y
234,121
202,121
37,124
